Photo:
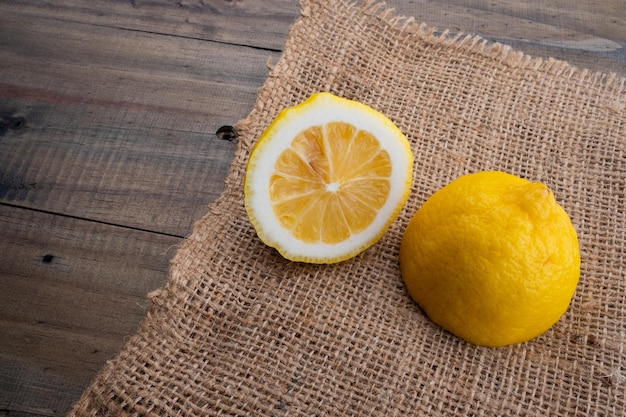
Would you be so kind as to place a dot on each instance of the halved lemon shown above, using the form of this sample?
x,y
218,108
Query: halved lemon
x,y
326,179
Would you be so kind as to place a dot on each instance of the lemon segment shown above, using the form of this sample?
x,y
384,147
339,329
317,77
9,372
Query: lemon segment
x,y
491,257
326,179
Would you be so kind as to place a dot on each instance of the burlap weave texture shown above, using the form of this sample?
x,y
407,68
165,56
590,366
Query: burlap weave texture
x,y
238,330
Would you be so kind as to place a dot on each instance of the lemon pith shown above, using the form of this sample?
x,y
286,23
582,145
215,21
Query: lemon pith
x,y
326,179
491,257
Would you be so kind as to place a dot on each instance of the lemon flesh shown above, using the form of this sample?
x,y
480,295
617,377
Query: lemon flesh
x,y
326,179
492,258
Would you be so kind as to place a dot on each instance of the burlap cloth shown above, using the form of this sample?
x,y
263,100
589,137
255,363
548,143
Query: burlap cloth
x,y
238,330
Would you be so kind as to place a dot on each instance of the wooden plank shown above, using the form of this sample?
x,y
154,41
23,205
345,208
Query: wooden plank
x,y
71,291
587,18
260,24
119,126
584,33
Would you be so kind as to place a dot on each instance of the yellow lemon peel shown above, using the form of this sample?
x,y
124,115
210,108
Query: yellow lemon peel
x,y
491,257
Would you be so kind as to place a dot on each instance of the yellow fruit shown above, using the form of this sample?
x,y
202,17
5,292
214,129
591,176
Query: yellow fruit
x,y
326,179
492,258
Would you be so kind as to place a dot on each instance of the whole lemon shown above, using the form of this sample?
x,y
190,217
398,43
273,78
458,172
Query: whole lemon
x,y
492,258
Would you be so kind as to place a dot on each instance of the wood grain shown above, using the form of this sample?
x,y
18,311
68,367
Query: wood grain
x,y
584,33
108,152
250,23
133,127
71,291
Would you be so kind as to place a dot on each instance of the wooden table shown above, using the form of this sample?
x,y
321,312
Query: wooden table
x,y
108,151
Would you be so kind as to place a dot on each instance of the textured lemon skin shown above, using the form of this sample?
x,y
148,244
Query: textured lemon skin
x,y
492,258
318,109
